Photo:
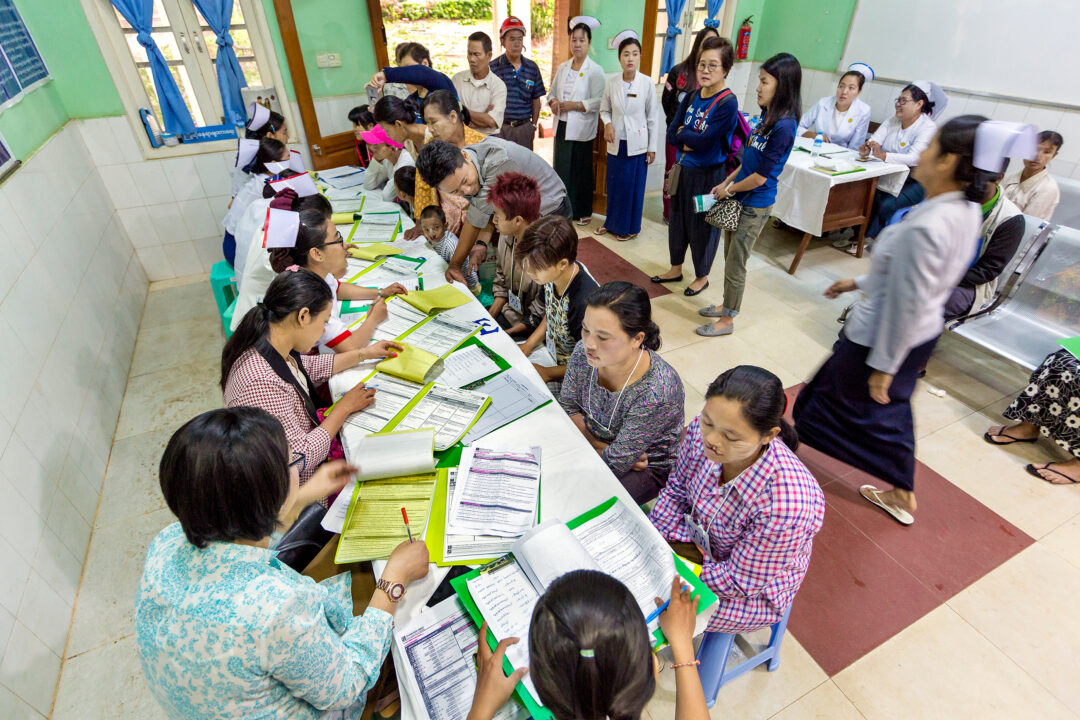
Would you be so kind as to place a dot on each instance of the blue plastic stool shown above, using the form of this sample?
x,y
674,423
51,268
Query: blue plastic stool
x,y
713,654
226,319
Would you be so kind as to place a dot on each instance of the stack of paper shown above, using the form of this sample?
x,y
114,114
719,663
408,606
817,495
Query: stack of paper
x,y
466,366
411,363
373,251
391,397
374,526
450,411
443,297
512,396
352,179
400,319
440,335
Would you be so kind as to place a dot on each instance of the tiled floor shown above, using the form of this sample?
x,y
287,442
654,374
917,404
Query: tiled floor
x,y
1006,645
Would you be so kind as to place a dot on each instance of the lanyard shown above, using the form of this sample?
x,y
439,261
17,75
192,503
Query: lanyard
x,y
596,378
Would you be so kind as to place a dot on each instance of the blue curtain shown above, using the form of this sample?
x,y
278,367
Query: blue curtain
x,y
674,13
174,112
229,75
713,9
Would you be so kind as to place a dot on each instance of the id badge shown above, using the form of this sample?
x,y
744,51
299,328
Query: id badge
x,y
550,343
514,301
698,536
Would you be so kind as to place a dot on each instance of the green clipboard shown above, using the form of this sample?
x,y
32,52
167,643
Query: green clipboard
x,y
461,587
1072,345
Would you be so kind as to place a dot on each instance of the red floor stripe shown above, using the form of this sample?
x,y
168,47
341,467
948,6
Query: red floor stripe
x,y
606,265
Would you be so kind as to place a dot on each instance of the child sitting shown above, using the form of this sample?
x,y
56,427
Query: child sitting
x,y
362,120
405,183
444,242
519,302
547,251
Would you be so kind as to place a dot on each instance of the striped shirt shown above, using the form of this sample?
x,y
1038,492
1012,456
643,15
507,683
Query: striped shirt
x,y
522,86
761,527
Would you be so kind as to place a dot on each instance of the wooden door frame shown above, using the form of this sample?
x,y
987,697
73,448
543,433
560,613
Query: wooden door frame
x,y
331,150
378,29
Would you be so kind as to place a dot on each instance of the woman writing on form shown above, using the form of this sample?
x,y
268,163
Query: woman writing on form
x,y
842,118
575,101
631,116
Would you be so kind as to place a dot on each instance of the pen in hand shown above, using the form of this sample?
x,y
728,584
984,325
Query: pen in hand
x,y
407,528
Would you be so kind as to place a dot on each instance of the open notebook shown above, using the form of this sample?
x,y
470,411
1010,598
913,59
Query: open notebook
x,y
611,538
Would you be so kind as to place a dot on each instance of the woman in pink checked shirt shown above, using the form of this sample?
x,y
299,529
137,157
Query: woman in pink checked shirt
x,y
740,494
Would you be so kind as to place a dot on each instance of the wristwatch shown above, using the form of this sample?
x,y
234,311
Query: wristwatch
x,y
394,591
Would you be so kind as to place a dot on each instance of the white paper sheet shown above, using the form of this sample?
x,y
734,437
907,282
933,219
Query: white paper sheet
x,y
465,366
506,598
464,546
497,491
448,410
512,395
440,335
400,318
391,395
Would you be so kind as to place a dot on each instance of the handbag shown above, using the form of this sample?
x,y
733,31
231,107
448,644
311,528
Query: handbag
x,y
672,183
725,214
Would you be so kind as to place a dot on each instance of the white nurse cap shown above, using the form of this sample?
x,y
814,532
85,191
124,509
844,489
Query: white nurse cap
x,y
996,140
301,184
587,20
258,115
625,35
863,69
937,96
282,227
245,152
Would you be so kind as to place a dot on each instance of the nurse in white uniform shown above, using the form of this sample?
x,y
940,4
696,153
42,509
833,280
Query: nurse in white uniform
x,y
843,118
630,111
575,94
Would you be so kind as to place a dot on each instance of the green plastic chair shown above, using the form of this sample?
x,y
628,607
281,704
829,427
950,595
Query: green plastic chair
x,y
223,285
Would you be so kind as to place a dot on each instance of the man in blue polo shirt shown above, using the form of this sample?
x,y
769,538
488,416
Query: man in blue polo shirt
x,y
524,85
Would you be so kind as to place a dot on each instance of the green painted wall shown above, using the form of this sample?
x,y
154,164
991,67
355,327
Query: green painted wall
x,y
340,26
80,84
812,30
614,16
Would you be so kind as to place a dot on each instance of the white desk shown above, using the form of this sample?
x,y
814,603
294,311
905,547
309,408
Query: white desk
x,y
575,478
814,202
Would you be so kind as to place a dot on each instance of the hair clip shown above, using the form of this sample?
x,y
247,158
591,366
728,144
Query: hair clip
x,y
588,653
293,268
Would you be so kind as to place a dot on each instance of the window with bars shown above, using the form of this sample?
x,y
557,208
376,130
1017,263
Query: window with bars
x,y
190,48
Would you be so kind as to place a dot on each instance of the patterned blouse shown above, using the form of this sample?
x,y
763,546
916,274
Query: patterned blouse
x,y
761,527
647,419
453,207
229,632
253,383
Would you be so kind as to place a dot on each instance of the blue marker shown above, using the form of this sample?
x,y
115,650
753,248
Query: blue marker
x,y
656,613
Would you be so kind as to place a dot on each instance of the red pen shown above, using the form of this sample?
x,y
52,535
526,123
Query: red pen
x,y
406,519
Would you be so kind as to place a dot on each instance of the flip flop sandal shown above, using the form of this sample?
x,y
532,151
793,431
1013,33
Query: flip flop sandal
x,y
898,514
989,437
601,231
1035,471
583,222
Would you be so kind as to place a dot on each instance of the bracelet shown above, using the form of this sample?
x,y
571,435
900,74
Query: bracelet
x,y
685,664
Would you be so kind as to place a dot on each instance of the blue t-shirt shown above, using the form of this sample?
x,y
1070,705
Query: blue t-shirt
x,y
708,136
766,155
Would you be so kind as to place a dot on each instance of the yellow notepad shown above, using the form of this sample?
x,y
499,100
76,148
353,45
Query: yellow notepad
x,y
411,363
443,297
343,218
374,527
374,251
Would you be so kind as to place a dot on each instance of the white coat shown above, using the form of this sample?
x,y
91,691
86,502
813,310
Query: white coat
x,y
904,146
588,88
821,118
636,112
249,192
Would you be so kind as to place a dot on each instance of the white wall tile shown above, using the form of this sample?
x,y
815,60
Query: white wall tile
x,y
100,141
1044,118
28,475
13,708
199,219
215,180
120,186
69,526
169,224
155,262
15,569
58,567
209,251
1069,127
219,205
19,372
125,140
45,613
30,669
182,178
149,178
82,493
7,623
139,227
183,258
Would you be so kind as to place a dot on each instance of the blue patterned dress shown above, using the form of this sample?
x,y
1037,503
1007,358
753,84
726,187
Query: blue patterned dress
x,y
229,632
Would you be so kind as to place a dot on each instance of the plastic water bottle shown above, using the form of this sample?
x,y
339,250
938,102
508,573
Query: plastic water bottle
x,y
818,140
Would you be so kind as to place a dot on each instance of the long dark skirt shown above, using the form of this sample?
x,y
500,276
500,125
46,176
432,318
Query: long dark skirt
x,y
625,191
573,162
835,414
687,228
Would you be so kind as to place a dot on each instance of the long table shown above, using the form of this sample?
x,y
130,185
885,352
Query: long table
x,y
574,477
814,202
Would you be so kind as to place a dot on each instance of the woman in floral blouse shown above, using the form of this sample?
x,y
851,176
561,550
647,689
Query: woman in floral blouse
x,y
224,629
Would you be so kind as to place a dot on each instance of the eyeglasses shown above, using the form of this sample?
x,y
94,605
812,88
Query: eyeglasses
x,y
338,241
901,101
711,67
298,458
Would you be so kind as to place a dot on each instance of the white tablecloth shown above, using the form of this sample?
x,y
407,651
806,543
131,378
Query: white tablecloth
x,y
803,193
574,477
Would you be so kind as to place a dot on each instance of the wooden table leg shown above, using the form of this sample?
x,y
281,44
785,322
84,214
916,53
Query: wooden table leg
x,y
868,212
799,253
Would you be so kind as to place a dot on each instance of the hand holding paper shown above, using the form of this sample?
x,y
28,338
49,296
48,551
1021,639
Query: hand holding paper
x,y
411,363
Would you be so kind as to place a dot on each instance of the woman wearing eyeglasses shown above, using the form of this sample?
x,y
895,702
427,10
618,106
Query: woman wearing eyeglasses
x,y
264,364
224,628
901,139
317,246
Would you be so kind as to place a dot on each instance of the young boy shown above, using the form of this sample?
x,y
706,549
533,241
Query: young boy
x,y
405,184
362,120
548,253
519,302
1033,189
444,242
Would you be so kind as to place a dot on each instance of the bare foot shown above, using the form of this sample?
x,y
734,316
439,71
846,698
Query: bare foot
x,y
698,283
1059,473
903,499
1020,431
672,274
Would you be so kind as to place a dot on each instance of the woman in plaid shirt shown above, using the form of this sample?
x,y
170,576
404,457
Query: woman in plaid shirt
x,y
262,364
742,496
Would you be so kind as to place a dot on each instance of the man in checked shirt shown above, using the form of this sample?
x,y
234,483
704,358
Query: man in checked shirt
x,y
740,494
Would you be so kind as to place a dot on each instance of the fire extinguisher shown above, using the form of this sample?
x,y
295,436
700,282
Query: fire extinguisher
x,y
742,45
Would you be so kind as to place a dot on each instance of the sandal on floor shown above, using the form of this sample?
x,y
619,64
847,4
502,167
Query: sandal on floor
x,y
1065,481
661,280
989,437
601,231
688,292
708,330
583,222
898,514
